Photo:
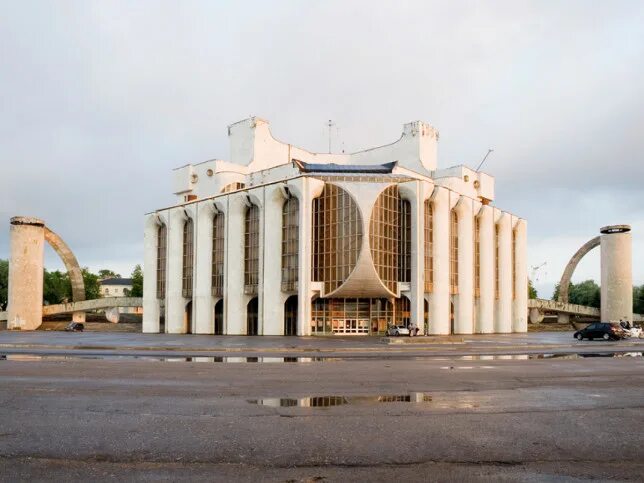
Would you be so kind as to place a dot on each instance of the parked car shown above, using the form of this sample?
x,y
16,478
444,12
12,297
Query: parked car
x,y
74,327
601,330
397,330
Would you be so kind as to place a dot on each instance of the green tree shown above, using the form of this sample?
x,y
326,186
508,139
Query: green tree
x,y
137,282
532,292
105,273
57,287
638,299
92,287
4,283
586,293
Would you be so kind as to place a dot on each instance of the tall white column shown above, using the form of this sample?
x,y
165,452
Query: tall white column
x,y
520,316
204,308
273,298
464,304
504,303
414,192
151,310
306,189
616,273
234,306
485,316
25,297
439,304
175,303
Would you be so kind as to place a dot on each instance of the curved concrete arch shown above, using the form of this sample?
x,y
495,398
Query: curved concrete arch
x,y
564,283
71,264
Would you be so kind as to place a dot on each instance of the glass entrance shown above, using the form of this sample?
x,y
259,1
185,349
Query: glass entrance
x,y
357,316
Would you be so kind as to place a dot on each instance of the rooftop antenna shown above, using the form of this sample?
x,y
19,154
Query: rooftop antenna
x,y
330,124
488,153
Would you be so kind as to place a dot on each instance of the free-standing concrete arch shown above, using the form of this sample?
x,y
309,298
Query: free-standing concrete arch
x,y
564,283
26,266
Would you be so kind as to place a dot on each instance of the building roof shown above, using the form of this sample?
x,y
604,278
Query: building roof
x,y
116,281
345,168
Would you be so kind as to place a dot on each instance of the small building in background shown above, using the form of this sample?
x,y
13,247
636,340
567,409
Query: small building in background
x,y
115,287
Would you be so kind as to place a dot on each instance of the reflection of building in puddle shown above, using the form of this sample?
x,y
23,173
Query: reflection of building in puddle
x,y
330,401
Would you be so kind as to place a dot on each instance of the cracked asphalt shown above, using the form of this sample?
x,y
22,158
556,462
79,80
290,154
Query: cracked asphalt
x,y
510,418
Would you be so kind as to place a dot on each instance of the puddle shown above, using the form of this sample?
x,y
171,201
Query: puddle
x,y
116,357
330,401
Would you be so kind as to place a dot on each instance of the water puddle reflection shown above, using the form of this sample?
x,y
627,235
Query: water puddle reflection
x,y
330,401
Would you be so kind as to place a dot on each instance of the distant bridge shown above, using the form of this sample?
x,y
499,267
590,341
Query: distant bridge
x,y
85,305
540,307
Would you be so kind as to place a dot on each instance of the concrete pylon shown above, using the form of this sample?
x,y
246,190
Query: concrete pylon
x,y
26,264
616,273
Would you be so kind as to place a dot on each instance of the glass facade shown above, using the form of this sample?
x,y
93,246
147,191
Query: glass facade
x,y
337,236
453,253
383,236
233,187
429,246
218,236
290,244
358,315
477,257
251,250
162,251
497,261
188,257
404,242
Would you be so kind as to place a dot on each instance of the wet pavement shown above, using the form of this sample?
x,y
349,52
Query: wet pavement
x,y
521,417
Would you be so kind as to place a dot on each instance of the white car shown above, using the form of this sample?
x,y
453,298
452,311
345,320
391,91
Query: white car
x,y
397,330
635,332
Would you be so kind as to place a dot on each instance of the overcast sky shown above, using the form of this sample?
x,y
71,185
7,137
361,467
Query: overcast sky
x,y
100,100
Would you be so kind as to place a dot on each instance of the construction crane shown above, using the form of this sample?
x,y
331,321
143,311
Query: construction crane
x,y
534,271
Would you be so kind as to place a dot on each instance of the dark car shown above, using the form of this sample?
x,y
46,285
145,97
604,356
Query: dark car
x,y
601,330
74,327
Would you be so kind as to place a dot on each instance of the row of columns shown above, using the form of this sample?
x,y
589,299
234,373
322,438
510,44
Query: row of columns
x,y
487,313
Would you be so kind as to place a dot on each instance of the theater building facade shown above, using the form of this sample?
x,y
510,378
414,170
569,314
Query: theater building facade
x,y
282,241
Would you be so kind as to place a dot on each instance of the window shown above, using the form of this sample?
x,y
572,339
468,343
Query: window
x,y
162,240
251,250
188,257
477,257
290,244
514,269
337,236
384,236
453,253
233,187
404,242
429,246
218,232
497,261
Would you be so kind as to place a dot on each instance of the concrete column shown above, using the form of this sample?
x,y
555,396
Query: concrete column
x,y
520,316
306,190
204,304
234,306
414,192
464,303
175,303
151,310
616,273
26,264
439,299
273,298
485,316
503,322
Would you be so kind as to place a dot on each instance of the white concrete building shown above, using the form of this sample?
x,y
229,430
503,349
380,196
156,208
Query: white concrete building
x,y
115,287
281,241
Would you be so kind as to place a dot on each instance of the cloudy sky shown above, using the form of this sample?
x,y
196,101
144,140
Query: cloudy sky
x,y
100,100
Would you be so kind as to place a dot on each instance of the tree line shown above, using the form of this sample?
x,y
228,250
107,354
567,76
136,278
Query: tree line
x,y
57,287
589,293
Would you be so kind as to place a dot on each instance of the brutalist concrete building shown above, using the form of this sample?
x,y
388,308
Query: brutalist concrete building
x,y
282,241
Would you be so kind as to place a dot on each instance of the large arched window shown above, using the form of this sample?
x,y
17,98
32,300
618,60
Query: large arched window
x,y
337,236
251,250
384,236
162,244
453,253
290,244
218,255
188,257
429,246
404,242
